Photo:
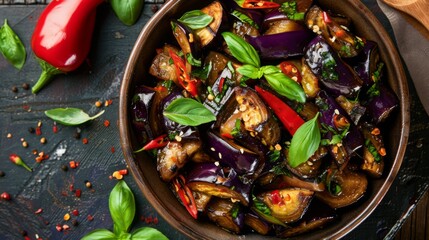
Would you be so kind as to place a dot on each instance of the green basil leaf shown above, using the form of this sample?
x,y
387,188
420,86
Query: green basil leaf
x,y
196,19
187,111
241,50
70,116
244,18
250,71
285,86
100,234
128,11
122,207
124,236
148,233
11,46
304,143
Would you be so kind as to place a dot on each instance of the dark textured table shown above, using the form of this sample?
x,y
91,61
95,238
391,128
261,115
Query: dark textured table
x,y
48,186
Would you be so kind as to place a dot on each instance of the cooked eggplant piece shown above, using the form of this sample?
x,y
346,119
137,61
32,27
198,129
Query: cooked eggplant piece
x,y
338,37
281,45
174,156
226,214
312,167
242,28
257,223
373,151
334,74
201,200
343,188
282,26
291,181
218,62
354,109
367,64
383,102
287,205
317,216
220,91
207,34
162,67
140,105
189,42
215,180
309,82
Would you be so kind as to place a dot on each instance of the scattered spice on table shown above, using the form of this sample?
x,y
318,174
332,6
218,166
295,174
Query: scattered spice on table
x,y
73,164
78,193
55,127
89,217
38,211
75,222
18,161
5,196
2,174
26,86
31,130
43,140
108,102
14,89
85,141
9,135
88,184
64,168
66,217
106,123
112,149
75,212
41,156
98,104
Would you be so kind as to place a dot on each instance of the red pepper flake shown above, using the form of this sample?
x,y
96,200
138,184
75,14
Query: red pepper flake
x,y
27,238
26,107
78,193
106,123
123,171
155,220
112,149
85,141
71,187
66,227
148,220
5,196
75,212
41,157
73,164
108,102
39,128
59,228
55,128
90,218
38,211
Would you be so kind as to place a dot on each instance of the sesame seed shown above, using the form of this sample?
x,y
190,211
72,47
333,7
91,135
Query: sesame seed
x,y
220,155
212,149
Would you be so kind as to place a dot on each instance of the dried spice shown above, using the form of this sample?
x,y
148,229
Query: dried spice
x,y
5,196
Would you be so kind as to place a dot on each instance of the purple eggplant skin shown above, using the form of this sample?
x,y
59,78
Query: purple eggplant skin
x,y
381,106
366,63
243,161
334,74
273,15
330,110
187,39
213,179
281,45
140,104
220,211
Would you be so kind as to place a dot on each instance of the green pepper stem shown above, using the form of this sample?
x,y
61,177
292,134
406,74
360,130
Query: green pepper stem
x,y
48,71
27,167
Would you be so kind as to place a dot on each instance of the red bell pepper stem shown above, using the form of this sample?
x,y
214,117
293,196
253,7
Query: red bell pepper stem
x,y
185,195
184,80
289,118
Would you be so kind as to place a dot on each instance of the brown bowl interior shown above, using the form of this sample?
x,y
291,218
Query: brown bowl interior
x,y
158,31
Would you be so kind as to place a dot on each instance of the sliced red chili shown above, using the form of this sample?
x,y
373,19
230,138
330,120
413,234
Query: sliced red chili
x,y
326,17
257,4
291,70
276,199
185,195
221,82
184,80
289,118
156,143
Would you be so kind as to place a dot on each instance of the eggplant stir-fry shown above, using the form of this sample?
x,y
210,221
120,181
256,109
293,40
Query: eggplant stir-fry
x,y
265,116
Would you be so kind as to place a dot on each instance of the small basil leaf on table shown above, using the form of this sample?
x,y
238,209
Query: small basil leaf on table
x,y
196,19
11,46
187,111
122,207
147,233
128,11
100,234
241,50
304,143
70,116
285,86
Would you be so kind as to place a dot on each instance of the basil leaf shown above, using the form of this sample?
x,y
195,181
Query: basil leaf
x,y
244,18
196,19
100,234
128,11
187,111
250,71
11,46
125,236
285,86
241,50
70,116
147,233
304,142
122,207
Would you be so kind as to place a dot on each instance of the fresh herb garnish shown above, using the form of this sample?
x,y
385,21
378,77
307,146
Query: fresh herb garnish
x,y
244,18
196,19
305,142
237,127
285,86
11,46
241,50
70,116
202,73
122,210
193,61
291,11
187,111
371,148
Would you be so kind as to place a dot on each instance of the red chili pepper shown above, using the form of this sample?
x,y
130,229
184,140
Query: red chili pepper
x,y
184,80
123,171
185,194
221,82
18,161
156,143
326,17
290,119
257,4
276,198
62,37
290,70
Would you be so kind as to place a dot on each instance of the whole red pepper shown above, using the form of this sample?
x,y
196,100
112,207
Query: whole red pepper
x,y
289,118
62,37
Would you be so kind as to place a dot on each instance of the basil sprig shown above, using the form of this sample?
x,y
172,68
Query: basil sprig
x,y
11,46
187,111
128,11
70,116
122,210
246,54
196,19
304,143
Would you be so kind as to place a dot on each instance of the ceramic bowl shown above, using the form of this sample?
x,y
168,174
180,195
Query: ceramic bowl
x,y
158,31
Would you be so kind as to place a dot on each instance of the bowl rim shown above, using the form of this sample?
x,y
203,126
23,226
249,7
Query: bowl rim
x,y
125,138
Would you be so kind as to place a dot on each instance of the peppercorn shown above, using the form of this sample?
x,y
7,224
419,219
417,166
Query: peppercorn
x,y
5,196
24,233
75,222
31,130
2,174
26,86
14,89
76,135
64,168
154,8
